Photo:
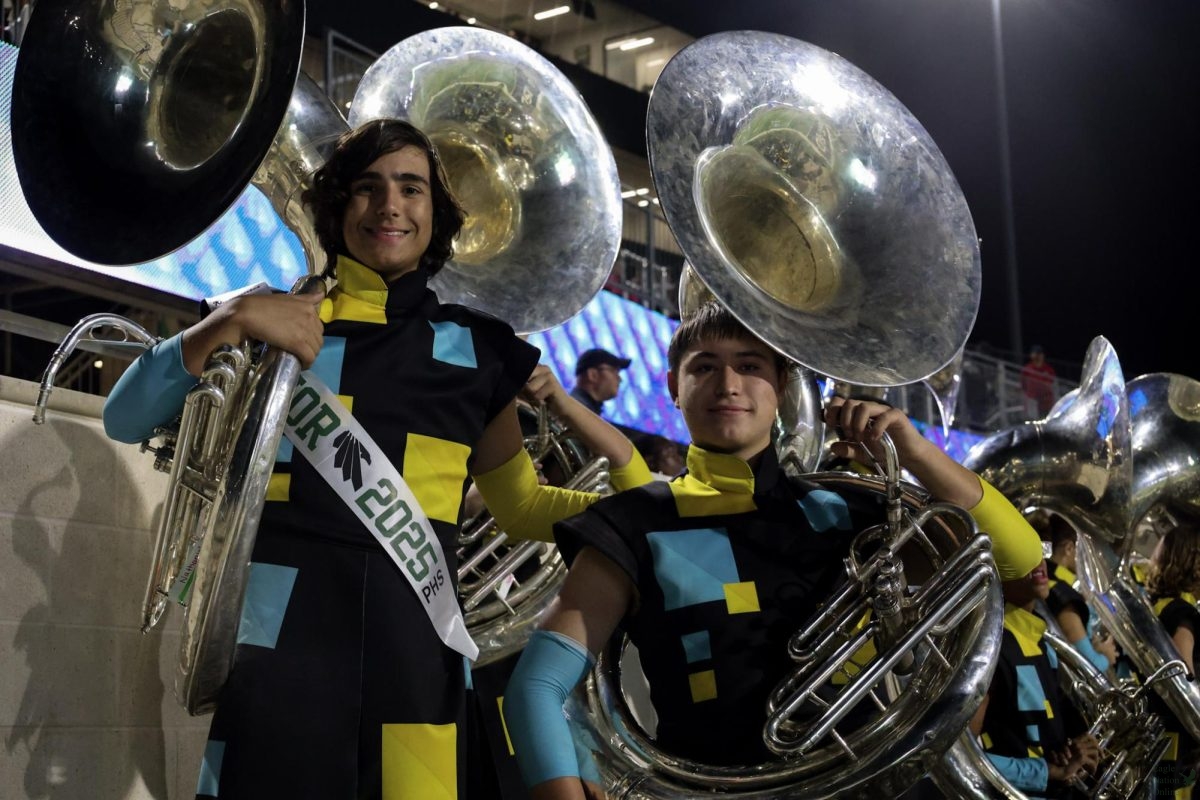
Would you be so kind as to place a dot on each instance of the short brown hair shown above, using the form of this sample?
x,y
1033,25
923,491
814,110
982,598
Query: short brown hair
x,y
356,151
711,321
1176,566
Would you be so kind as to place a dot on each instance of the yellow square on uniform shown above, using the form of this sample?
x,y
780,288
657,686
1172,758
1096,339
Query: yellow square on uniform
x,y
1049,710
703,685
278,486
1172,753
419,760
435,470
741,598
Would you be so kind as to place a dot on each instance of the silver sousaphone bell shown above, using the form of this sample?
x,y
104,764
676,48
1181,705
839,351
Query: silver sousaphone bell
x,y
527,160
135,125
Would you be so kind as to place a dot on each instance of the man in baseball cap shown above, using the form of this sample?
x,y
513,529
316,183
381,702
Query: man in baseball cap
x,y
597,377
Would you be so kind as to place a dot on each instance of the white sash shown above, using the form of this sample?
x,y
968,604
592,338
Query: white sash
x,y
346,457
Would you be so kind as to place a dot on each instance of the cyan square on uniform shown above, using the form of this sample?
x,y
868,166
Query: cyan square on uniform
x,y
452,343
696,646
1032,734
824,510
1030,695
692,566
209,783
268,590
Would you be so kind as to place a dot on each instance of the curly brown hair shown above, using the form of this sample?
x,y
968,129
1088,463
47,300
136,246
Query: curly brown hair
x,y
357,150
1175,567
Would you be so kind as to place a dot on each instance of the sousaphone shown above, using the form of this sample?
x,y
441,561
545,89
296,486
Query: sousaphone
x,y
136,123
1165,444
810,203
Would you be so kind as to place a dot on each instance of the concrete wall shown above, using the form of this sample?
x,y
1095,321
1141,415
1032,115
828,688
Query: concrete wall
x,y
87,708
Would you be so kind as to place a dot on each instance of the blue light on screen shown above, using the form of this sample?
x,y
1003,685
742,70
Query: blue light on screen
x,y
631,331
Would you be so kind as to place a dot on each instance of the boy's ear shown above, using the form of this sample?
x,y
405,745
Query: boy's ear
x,y
673,387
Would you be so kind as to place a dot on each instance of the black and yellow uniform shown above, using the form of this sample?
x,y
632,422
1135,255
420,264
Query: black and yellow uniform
x,y
727,563
1176,773
1027,715
340,686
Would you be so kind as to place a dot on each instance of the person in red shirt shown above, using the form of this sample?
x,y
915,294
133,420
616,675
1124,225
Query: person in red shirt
x,y
1037,383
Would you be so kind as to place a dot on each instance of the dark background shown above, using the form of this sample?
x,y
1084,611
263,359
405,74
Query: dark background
x,y
1101,104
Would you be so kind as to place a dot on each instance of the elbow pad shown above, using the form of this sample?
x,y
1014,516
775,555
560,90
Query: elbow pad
x,y
149,394
550,667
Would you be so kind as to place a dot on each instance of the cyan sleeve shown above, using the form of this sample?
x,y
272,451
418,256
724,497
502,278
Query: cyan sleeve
x,y
1084,646
1026,774
550,667
149,394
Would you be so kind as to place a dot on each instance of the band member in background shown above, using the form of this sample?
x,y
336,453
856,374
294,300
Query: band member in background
x,y
711,573
1068,606
1174,582
344,684
1030,731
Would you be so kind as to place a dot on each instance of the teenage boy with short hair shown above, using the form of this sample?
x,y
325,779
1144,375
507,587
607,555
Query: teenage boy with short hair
x,y
711,573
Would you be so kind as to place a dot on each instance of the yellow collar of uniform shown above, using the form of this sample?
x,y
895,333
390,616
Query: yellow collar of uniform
x,y
1065,575
722,472
361,282
1163,602
715,483
362,295
1026,627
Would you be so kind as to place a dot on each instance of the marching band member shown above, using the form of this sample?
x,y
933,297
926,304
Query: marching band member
x,y
1030,731
349,678
1173,581
1068,606
711,573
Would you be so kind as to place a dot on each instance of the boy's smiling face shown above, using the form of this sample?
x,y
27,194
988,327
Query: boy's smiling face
x,y
728,390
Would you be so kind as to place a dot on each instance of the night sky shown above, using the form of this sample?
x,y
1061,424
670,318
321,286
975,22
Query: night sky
x,y
1101,103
